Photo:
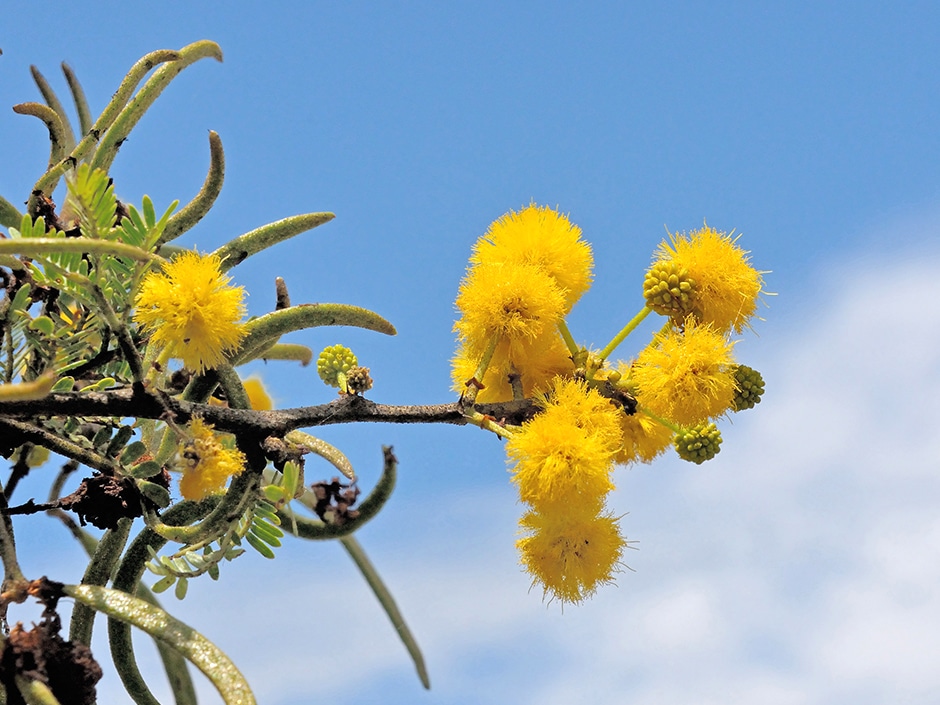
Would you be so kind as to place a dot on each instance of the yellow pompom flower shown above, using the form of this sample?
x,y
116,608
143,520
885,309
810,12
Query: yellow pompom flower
x,y
515,302
191,310
206,463
686,376
540,236
537,363
570,556
726,287
564,455
644,439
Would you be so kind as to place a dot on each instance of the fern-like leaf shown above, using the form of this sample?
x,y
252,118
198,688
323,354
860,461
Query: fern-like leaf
x,y
91,196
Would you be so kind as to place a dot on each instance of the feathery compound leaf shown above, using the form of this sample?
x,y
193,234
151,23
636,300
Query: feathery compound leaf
x,y
91,195
143,229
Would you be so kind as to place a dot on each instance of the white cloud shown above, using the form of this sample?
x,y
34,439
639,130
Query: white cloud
x,y
799,566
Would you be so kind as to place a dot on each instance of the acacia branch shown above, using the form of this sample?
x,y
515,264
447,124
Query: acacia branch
x,y
146,404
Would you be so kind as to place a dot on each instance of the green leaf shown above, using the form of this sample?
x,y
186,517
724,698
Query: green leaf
x,y
201,652
42,324
91,194
164,584
100,385
65,384
259,545
132,452
264,331
120,439
236,251
385,598
182,585
154,492
271,535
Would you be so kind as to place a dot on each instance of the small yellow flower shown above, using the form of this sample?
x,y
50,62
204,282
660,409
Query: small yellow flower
x,y
564,456
192,310
570,556
515,302
686,376
542,237
537,363
206,463
725,285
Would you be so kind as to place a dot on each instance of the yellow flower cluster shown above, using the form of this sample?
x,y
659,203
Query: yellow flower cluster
x,y
686,377
525,275
192,311
206,463
564,458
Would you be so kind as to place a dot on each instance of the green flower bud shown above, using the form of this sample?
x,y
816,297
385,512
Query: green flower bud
x,y
668,289
749,387
699,443
334,363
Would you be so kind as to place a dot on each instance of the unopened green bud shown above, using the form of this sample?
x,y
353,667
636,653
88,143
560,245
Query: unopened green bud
x,y
668,289
749,387
334,363
699,443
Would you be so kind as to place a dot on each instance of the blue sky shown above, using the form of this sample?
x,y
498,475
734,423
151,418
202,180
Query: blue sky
x,y
780,571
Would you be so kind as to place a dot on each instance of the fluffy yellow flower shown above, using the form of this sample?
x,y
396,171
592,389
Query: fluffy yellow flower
x,y
686,376
570,556
587,409
515,302
192,310
542,237
537,363
206,463
644,439
564,455
726,286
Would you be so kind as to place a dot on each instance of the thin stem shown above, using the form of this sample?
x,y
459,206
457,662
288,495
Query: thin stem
x,y
131,354
573,347
11,566
475,383
488,423
675,428
627,330
57,444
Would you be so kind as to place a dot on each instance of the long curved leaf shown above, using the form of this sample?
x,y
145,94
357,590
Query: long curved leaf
x,y
201,652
